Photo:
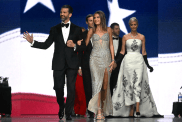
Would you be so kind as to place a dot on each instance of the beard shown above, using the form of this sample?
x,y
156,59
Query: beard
x,y
90,26
63,18
115,33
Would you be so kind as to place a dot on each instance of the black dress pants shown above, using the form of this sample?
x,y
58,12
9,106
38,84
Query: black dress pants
x,y
5,100
59,81
113,79
87,82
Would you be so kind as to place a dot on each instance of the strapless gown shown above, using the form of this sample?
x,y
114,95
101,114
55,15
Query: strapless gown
x,y
133,84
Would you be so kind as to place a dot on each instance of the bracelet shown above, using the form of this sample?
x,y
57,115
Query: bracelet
x,y
113,60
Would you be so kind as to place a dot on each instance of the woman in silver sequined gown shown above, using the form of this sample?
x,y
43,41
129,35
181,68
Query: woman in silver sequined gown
x,y
101,65
133,85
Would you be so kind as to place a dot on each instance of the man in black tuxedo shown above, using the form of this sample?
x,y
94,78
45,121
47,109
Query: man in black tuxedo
x,y
65,60
117,43
85,68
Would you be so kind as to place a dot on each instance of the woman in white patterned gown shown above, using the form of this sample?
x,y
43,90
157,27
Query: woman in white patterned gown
x,y
133,85
101,57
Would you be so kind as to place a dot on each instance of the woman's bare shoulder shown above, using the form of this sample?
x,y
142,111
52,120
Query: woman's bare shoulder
x,y
126,36
109,29
141,36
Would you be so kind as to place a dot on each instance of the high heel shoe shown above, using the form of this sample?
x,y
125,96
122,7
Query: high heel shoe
x,y
99,116
138,114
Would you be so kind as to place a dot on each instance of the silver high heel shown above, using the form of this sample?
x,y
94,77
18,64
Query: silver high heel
x,y
101,116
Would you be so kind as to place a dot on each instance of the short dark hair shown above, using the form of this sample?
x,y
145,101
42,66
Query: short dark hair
x,y
90,15
113,24
70,9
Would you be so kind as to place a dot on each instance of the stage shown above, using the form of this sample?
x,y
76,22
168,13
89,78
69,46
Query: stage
x,y
54,118
31,97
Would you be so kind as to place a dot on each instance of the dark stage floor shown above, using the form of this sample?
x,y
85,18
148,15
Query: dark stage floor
x,y
54,118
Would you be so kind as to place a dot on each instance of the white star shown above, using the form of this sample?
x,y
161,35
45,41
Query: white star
x,y
118,14
32,3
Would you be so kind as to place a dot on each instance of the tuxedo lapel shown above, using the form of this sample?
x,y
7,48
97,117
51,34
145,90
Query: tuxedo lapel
x,y
90,43
119,46
59,30
71,32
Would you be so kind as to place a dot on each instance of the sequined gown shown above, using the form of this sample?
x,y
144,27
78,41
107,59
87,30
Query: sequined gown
x,y
100,60
133,84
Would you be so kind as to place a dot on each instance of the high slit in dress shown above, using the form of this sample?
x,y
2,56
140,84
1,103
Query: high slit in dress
x,y
100,60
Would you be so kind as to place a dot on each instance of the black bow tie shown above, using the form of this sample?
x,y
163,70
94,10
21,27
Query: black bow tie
x,y
114,38
66,25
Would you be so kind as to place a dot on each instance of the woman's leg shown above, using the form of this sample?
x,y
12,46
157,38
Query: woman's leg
x,y
131,110
104,88
99,106
102,95
137,107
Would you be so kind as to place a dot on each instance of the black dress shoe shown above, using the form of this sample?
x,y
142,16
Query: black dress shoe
x,y
61,114
68,117
91,116
73,113
138,114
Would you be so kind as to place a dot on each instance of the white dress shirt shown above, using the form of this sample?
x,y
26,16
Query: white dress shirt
x,y
115,44
66,31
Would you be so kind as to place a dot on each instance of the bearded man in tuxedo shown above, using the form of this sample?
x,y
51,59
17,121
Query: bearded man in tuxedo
x,y
65,60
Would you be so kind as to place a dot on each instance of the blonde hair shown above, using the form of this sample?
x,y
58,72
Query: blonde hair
x,y
133,19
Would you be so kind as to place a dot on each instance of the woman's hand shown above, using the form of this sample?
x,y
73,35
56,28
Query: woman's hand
x,y
111,66
151,68
115,65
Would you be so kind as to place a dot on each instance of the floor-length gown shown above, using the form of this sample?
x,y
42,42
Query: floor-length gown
x,y
80,100
133,84
100,60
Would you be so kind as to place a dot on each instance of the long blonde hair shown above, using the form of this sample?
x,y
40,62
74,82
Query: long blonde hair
x,y
102,21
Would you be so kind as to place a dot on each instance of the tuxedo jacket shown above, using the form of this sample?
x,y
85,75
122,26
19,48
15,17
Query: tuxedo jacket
x,y
85,52
117,54
63,55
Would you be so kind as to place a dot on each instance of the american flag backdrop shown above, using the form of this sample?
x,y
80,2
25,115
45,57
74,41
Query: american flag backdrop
x,y
29,69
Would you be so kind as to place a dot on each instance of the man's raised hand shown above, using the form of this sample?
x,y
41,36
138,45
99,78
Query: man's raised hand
x,y
28,37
